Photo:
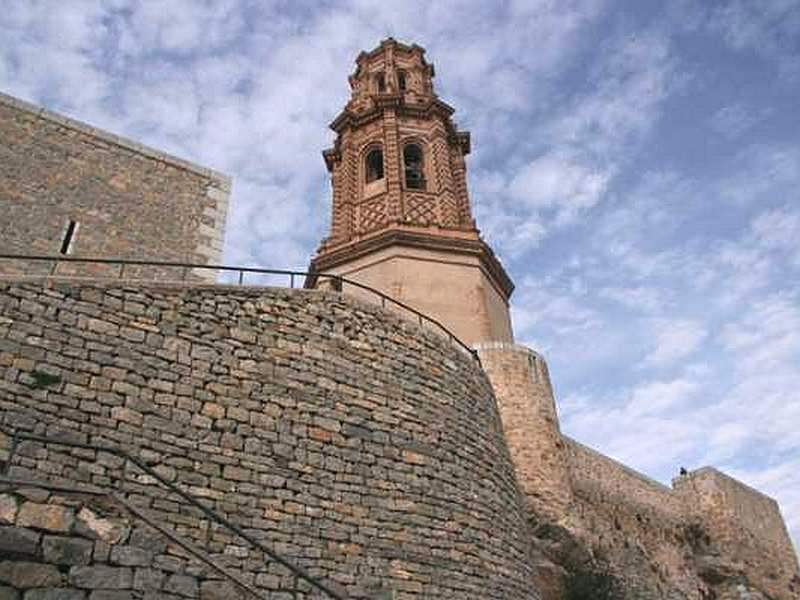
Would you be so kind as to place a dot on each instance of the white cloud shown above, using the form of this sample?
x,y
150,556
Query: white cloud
x,y
675,339
661,396
639,298
557,182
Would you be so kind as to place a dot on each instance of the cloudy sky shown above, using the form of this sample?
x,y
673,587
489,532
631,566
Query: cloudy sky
x,y
635,164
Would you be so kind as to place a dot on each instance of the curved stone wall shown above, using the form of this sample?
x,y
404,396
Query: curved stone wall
x,y
354,443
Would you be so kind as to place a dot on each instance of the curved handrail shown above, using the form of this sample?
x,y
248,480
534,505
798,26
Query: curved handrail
x,y
214,516
338,280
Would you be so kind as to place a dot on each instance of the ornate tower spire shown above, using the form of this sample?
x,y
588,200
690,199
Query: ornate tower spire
x,y
401,220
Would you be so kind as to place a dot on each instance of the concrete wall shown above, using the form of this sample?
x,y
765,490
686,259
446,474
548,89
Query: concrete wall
x,y
356,444
128,200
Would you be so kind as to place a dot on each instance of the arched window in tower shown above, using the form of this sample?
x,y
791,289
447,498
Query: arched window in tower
x,y
415,174
380,82
374,165
401,80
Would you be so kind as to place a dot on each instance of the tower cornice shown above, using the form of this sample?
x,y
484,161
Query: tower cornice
x,y
351,117
452,242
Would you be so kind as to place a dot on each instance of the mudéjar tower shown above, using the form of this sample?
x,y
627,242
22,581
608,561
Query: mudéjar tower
x,y
402,221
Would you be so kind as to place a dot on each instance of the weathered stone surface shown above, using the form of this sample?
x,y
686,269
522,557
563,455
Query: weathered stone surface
x,y
8,508
61,550
105,184
45,516
219,590
8,593
55,594
111,595
131,556
182,585
107,530
26,575
148,580
18,543
101,577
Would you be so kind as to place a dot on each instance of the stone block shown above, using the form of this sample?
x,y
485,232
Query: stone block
x,y
8,508
18,543
148,580
182,585
131,556
27,575
112,595
8,593
45,516
55,594
219,590
107,530
67,551
101,577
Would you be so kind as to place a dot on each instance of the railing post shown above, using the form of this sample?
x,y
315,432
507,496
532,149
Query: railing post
x,y
291,280
241,277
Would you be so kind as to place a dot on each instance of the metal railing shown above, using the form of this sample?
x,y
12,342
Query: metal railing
x,y
297,573
337,281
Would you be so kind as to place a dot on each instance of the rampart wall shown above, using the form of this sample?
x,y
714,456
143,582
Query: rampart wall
x,y
745,522
356,444
602,480
125,200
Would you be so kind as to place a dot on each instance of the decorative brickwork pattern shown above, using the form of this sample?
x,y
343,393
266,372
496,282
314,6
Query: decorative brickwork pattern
x,y
420,209
391,118
372,214
366,449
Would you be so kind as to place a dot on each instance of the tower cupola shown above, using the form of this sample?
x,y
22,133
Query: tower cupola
x,y
401,220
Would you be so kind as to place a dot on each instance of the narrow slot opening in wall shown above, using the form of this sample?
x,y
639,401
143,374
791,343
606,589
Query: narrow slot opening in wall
x,y
69,235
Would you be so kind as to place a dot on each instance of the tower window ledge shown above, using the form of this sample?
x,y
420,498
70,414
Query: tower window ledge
x,y
374,188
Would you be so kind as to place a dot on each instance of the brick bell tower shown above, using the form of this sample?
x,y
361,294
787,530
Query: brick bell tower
x,y
402,221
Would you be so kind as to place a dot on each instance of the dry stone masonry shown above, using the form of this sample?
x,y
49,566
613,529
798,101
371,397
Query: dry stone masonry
x,y
358,445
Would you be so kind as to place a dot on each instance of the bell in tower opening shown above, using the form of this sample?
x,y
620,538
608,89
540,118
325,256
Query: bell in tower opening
x,y
402,221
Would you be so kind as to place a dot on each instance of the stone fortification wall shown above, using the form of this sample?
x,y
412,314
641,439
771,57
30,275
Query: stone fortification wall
x,y
710,534
72,546
126,200
634,525
601,479
746,524
360,446
525,397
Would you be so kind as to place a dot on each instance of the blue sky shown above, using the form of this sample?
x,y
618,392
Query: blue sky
x,y
636,165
